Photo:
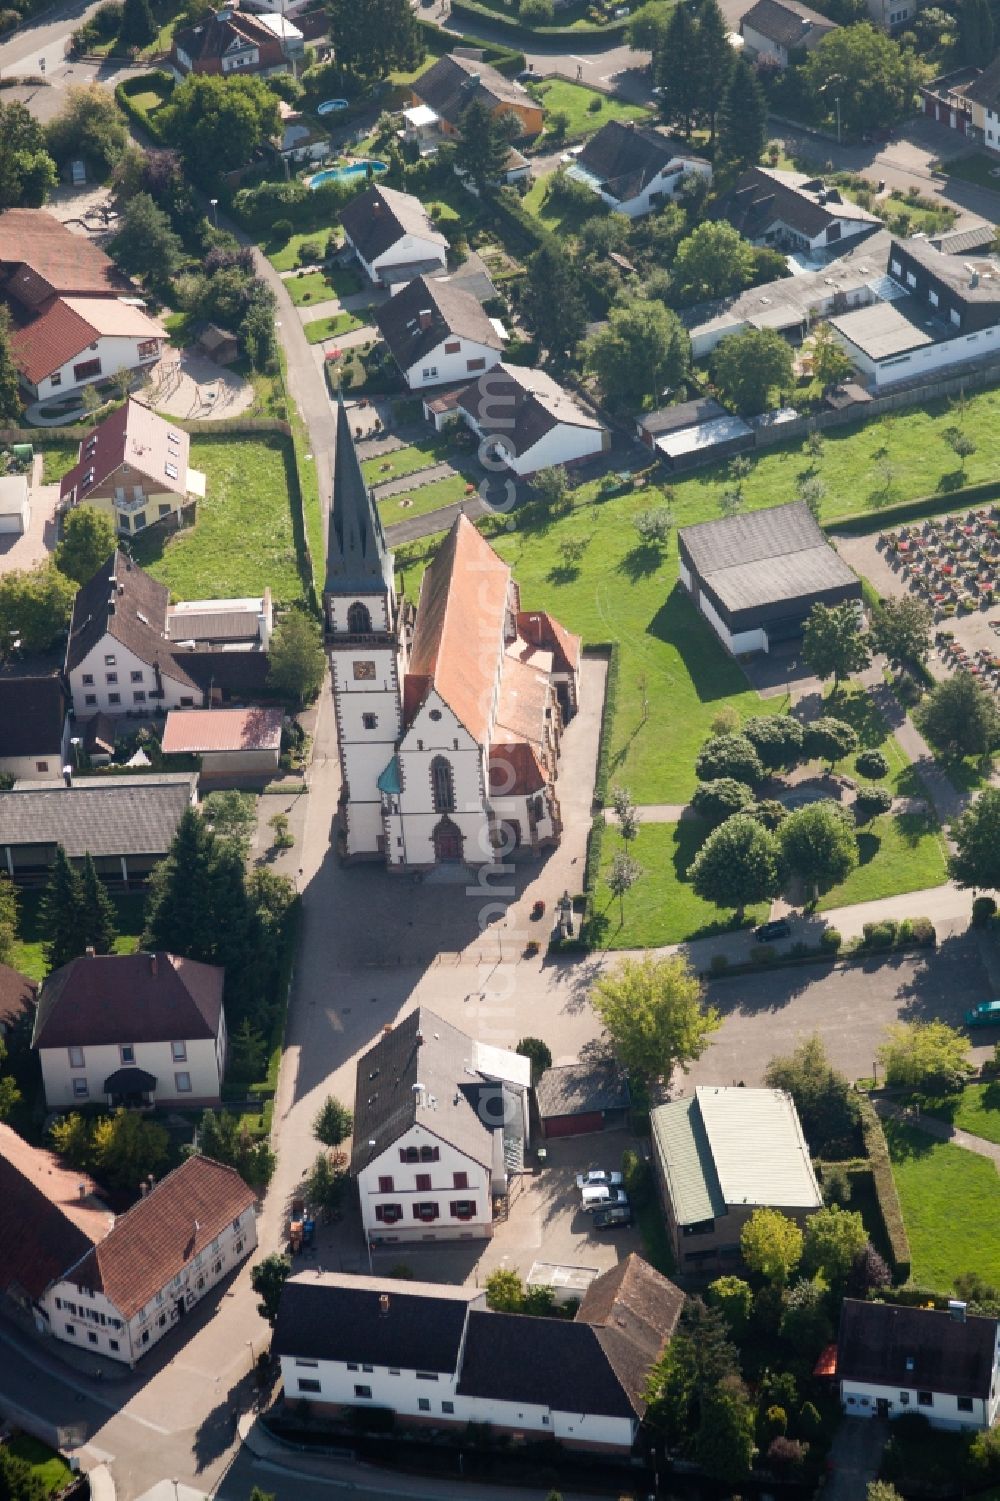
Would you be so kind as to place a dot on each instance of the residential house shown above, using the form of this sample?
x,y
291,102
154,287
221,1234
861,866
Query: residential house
x,y
15,505
392,235
756,578
437,1356
75,318
779,32
233,744
163,1256
52,1216
527,421
131,652
437,332
135,467
721,1153
890,15
18,996
938,311
440,1127
943,1365
131,1029
982,100
793,211
635,168
231,40
449,727
946,100
693,432
126,823
451,84
34,727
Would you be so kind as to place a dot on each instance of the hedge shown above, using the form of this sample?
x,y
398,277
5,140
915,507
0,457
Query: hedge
x,y
885,1190
138,85
521,231
582,36
914,510
607,720
506,60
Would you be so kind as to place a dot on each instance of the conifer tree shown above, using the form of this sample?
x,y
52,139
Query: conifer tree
x,y
180,912
62,915
742,118
675,67
714,61
100,917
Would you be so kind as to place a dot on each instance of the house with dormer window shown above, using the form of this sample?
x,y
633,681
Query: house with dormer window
x,y
231,40
135,467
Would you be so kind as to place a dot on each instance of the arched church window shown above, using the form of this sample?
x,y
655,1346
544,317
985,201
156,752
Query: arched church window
x,y
442,785
359,620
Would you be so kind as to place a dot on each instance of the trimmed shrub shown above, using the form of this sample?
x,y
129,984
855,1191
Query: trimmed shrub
x,y
885,1191
871,800
830,940
924,932
719,799
871,763
983,908
880,935
718,964
762,953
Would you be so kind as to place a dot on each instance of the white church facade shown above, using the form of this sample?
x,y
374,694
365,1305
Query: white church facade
x,y
449,722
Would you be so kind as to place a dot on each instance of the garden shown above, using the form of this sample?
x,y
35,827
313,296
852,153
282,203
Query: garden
x,y
584,110
933,1179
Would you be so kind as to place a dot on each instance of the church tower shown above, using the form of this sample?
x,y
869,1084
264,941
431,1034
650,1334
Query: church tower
x,y
363,633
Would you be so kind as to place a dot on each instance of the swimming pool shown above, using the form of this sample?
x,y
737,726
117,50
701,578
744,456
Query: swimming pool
x,y
353,169
331,106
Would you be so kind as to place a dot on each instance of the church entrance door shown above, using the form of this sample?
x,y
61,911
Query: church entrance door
x,y
447,841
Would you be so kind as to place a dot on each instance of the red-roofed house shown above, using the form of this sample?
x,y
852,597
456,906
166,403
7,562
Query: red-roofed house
x,y
230,742
230,40
134,466
161,1258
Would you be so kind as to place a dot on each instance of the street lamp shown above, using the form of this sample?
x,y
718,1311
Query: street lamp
x,y
76,742
837,103
215,211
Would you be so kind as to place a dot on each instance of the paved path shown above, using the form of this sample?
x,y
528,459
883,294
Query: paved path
x,y
311,312
855,1457
413,481
940,1130
657,813
435,521
948,801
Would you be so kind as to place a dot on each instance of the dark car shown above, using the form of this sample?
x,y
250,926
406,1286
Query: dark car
x,y
769,931
617,1217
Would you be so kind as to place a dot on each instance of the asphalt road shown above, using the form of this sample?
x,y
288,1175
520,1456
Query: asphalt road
x,y
44,39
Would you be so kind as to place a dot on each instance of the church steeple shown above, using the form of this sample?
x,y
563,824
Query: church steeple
x,y
358,559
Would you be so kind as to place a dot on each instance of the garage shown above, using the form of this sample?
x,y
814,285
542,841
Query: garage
x,y
15,506
582,1099
233,744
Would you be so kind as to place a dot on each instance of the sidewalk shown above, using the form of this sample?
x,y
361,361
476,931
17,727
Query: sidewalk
x,y
948,801
940,1130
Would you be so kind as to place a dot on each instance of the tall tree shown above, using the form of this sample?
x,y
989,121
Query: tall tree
x,y
739,864
830,361
138,28
654,1014
88,540
641,349
975,32
27,172
483,147
749,367
833,643
35,606
100,918
976,836
927,1056
675,70
10,382
960,718
8,918
833,1238
333,1122
181,916
219,123
127,1148
826,1104
267,1279
901,629
713,61
713,261
742,118
297,661
724,1445
372,37
874,78
62,916
145,244
819,845
771,1244
551,300
89,125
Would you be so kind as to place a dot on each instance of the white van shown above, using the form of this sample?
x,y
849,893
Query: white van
x,y
599,1196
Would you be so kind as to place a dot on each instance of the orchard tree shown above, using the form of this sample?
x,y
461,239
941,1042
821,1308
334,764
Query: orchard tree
x,y
927,1056
713,261
833,1238
901,630
742,118
749,367
653,527
88,540
145,244
961,445
771,1244
642,349
833,643
960,718
738,865
729,756
297,661
268,1279
975,862
819,846
333,1122
654,1014
830,739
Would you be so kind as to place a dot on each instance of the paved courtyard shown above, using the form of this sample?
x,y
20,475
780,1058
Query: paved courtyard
x,y
38,542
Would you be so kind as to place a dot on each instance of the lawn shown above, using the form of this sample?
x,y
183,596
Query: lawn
x,y
332,328
57,457
46,1465
245,538
565,220
896,852
559,96
321,286
976,1110
423,498
977,168
27,955
661,907
285,257
934,1179
406,460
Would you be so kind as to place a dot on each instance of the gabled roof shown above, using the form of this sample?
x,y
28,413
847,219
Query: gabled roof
x,y
99,816
201,731
581,1089
634,1312
515,769
39,256
160,1235
115,998
512,1357
358,560
520,406
774,554
683,414
226,30
881,1344
788,24
376,220
32,713
53,336
541,630
137,437
51,1216
451,84
127,604
332,1316
17,996
764,196
626,157
985,90
463,607
425,313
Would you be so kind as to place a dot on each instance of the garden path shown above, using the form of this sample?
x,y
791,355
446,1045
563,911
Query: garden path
x,y
941,1130
948,801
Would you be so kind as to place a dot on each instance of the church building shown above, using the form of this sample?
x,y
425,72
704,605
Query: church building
x,y
449,720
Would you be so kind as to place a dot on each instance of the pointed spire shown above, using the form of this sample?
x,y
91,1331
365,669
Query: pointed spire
x,y
358,559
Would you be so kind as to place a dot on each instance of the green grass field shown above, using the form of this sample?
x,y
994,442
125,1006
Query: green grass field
x,y
46,1465
57,457
245,538
285,257
406,460
559,96
896,852
951,1206
976,1110
563,221
27,953
425,498
332,328
321,286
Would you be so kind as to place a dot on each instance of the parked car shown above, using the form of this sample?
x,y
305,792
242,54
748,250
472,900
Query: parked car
x,y
601,1197
769,931
598,1178
986,1014
616,1217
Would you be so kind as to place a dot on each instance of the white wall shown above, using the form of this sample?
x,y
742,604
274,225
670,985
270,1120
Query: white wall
x,y
175,694
859,1400
101,1060
442,1192
438,368
926,361
562,445
666,184
445,736
407,251
113,353
763,46
742,641
29,766
365,751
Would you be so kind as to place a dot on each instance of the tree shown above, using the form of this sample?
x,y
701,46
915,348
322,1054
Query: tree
x,y
626,813
748,367
89,125
730,756
805,1319
482,150
247,1054
819,845
231,815
35,606
145,244
372,37
8,918
19,1481
975,32
297,660
960,443
830,362
771,1244
180,906
10,382
713,61
127,1148
71,1140
824,1100
653,1012
268,1279
551,301
699,1357
742,118
734,1299
927,1056
504,1291
713,261
642,349
62,916
901,629
326,1181
724,1445
675,72
718,800
27,172
226,1139
538,1052
138,28
812,490
976,837
777,739
834,1237
653,527
333,1122
871,74
551,485
881,1490
622,875
869,1273
958,717
9,1092
739,864
88,540
100,917
647,28
219,123
830,739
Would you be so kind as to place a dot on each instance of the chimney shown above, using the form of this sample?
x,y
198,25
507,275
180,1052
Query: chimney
x,y
629,124
957,1310
376,207
420,1039
424,317
143,1189
121,590
152,965
383,1304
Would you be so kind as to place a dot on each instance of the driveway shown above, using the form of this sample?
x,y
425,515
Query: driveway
x,y
39,541
855,1456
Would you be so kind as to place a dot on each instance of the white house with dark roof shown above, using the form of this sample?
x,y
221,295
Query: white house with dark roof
x,y
440,1125
793,211
783,31
436,1355
721,1153
437,332
34,727
131,1029
183,1236
135,467
392,235
635,168
528,421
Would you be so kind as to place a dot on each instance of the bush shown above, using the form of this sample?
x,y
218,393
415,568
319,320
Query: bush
x,y
281,229
718,964
830,940
983,908
924,932
885,1191
879,935
637,1177
871,763
596,104
762,953
871,800
719,799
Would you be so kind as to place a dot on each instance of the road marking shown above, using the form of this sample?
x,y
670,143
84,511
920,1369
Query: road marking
x,y
585,60
100,1455
134,1417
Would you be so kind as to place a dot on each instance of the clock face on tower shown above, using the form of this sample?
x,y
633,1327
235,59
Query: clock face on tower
x,y
364,672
